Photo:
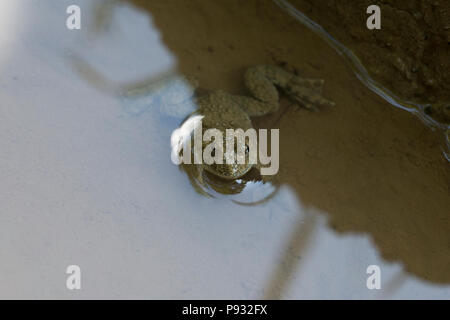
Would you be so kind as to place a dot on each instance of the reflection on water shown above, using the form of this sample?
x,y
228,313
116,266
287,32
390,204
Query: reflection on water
x,y
295,247
86,175
10,28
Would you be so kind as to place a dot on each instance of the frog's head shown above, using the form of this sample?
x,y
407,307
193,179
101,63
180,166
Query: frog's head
x,y
231,169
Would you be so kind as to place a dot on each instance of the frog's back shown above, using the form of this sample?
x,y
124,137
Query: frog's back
x,y
221,112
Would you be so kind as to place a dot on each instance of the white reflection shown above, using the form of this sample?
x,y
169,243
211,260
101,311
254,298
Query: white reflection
x,y
315,262
10,27
181,138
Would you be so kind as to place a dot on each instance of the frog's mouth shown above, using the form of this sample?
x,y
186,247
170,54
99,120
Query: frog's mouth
x,y
234,169
228,171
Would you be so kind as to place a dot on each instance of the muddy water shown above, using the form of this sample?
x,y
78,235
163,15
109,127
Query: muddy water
x,y
85,181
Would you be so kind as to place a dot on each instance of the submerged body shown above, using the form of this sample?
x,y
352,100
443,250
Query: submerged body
x,y
222,111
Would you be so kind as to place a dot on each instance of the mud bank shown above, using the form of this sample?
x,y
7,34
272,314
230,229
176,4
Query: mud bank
x,y
409,55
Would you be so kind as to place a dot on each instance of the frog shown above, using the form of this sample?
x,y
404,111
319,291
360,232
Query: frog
x,y
222,110
175,95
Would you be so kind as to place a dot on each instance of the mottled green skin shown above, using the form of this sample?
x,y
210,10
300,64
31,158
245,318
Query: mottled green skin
x,y
223,111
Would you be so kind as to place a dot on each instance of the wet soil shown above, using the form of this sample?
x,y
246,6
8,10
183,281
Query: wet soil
x,y
410,54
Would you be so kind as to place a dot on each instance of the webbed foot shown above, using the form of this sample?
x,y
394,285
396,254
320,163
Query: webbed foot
x,y
307,93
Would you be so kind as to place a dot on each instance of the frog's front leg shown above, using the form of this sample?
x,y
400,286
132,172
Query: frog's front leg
x,y
262,82
173,95
195,173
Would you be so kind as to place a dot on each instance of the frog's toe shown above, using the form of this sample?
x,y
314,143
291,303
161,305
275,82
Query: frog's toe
x,y
318,100
308,97
315,84
308,105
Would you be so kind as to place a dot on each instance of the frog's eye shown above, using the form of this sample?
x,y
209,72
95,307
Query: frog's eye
x,y
213,152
